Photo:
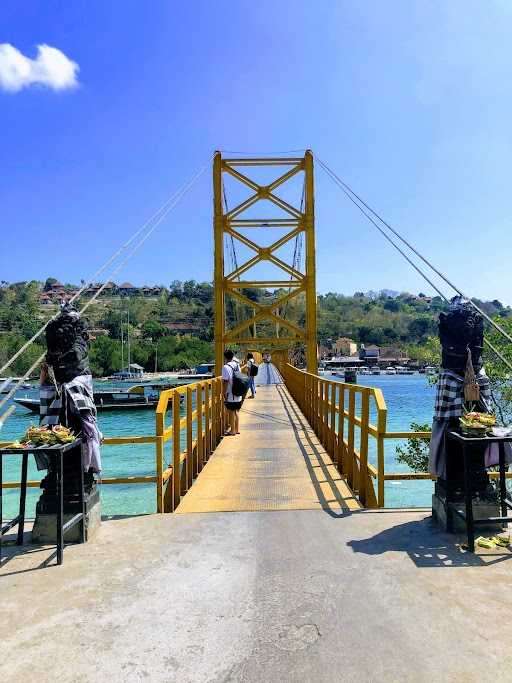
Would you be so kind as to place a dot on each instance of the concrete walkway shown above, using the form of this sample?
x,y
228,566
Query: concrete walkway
x,y
296,596
276,463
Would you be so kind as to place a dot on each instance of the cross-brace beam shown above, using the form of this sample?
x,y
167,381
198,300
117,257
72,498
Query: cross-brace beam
x,y
228,222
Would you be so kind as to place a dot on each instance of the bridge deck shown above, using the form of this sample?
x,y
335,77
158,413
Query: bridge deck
x,y
276,463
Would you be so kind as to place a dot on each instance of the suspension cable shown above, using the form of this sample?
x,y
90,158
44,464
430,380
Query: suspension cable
x,y
163,212
340,184
157,216
349,192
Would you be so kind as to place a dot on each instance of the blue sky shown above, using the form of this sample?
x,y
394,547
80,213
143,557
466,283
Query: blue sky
x,y
409,102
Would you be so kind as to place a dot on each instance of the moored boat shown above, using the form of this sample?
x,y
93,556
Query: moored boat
x,y
136,397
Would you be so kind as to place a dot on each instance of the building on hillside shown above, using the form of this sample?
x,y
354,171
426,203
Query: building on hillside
x,y
110,289
148,291
370,354
345,347
391,355
55,296
92,289
45,299
127,289
55,287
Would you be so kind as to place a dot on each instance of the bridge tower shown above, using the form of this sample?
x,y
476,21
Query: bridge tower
x,y
230,226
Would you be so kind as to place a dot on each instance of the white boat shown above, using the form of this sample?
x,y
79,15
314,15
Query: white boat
x,y
430,370
365,371
375,371
402,370
390,370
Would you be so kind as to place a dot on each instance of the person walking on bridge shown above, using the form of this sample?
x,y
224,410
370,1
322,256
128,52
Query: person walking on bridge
x,y
252,371
232,402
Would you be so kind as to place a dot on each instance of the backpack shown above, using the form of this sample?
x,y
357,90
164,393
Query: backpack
x,y
240,383
253,369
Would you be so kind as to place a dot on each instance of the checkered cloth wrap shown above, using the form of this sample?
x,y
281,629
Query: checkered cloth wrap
x,y
450,394
80,401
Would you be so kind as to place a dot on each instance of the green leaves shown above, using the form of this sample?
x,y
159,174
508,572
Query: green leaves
x,y
415,453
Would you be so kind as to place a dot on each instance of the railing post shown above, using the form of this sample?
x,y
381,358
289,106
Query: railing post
x,y
207,430
314,423
217,414
176,449
221,411
309,398
332,449
320,432
325,415
189,461
381,429
159,473
341,430
159,448
351,460
200,444
363,450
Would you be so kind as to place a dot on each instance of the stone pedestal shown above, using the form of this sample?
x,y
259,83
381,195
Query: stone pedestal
x,y
451,522
45,525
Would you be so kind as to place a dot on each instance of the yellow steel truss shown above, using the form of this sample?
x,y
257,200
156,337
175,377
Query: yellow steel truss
x,y
229,222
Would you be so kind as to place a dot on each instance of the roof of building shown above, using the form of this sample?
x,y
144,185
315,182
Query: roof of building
x,y
127,285
183,326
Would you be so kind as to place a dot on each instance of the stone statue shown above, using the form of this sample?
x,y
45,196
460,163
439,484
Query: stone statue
x,y
462,383
66,398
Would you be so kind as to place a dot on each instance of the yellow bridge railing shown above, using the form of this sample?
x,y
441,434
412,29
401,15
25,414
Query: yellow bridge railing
x,y
185,436
340,415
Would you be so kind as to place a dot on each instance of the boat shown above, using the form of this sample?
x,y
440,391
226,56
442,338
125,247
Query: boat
x,y
390,370
402,370
375,371
7,384
203,371
365,371
431,370
135,398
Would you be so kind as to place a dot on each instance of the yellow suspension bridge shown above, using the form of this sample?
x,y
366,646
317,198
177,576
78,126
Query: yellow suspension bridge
x,y
280,561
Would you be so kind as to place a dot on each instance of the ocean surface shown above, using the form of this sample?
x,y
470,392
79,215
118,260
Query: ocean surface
x,y
408,397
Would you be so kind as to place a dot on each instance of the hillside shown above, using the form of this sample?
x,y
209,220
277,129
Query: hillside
x,y
172,327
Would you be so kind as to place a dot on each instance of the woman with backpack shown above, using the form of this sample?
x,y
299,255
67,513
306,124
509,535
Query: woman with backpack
x,y
235,386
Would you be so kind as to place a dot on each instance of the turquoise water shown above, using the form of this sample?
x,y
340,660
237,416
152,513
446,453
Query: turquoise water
x,y
408,398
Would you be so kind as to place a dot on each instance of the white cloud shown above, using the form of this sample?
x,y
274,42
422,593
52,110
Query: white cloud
x,y
51,68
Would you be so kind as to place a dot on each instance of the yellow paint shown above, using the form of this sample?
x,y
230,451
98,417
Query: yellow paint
x,y
339,414
227,222
276,463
